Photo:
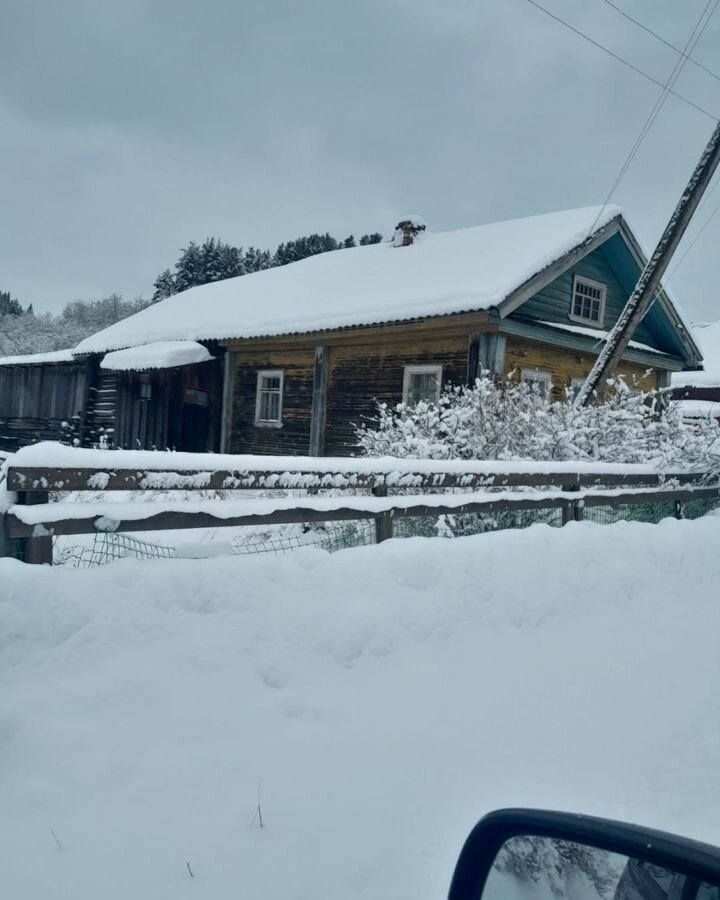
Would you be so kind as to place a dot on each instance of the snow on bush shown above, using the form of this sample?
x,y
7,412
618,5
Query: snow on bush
x,y
513,420
560,868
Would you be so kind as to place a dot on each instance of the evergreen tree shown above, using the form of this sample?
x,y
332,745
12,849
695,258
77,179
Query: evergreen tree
x,y
190,267
8,305
165,286
230,261
256,260
214,260
284,254
302,247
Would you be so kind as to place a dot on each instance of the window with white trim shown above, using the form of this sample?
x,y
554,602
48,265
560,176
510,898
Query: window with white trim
x,y
538,379
575,385
588,301
269,399
421,383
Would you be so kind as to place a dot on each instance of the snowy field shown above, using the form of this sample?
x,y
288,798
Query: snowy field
x,y
378,701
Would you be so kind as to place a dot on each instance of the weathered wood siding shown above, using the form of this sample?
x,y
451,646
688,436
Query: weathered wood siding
x,y
552,303
362,369
42,402
293,436
362,375
366,369
564,365
102,407
182,411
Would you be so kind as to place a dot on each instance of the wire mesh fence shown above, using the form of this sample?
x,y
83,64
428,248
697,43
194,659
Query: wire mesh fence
x,y
106,547
649,512
334,536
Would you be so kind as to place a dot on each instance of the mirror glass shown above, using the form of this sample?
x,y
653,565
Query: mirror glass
x,y
541,868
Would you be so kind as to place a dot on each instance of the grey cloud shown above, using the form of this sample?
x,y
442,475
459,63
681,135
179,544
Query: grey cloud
x,y
130,128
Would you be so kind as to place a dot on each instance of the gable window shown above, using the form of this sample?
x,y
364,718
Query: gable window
x,y
421,383
588,301
268,402
538,380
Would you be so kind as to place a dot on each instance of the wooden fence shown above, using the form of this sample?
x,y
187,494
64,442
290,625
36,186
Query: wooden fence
x,y
333,490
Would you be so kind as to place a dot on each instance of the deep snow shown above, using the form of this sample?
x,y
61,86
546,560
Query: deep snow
x,y
50,454
161,355
380,700
34,359
445,272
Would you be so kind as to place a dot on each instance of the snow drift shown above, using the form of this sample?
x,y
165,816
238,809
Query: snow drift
x,y
376,702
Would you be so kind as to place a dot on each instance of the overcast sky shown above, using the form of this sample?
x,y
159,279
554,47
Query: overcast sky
x,y
129,128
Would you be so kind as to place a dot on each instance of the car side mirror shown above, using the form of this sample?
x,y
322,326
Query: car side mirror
x,y
518,854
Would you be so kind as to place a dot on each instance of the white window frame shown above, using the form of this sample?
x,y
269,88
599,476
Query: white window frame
x,y
602,287
262,374
576,383
409,371
538,375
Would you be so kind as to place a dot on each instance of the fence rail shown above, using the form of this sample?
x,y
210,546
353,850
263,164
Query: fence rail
x,y
391,490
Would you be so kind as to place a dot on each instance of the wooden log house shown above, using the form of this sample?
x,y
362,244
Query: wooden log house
x,y
298,356
43,397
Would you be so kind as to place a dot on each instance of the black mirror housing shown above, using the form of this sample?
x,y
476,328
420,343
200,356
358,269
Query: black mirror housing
x,y
691,858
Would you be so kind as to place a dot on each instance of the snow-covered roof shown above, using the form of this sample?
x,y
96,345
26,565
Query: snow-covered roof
x,y
447,272
707,336
54,356
599,335
160,355
698,409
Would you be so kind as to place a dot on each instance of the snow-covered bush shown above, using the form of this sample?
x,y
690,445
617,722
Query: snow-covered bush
x,y
513,420
560,868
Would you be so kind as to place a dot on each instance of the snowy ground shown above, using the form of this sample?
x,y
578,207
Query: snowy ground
x,y
380,700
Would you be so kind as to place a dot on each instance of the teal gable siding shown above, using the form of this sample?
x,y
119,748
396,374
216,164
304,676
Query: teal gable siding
x,y
552,303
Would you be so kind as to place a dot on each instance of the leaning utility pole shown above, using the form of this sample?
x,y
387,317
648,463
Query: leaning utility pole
x,y
649,281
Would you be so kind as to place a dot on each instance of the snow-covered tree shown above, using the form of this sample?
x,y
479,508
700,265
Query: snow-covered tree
x,y
373,238
302,247
9,306
165,285
513,420
30,333
257,260
562,869
214,260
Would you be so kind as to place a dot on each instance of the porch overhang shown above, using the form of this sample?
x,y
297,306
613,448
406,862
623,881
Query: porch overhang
x,y
159,355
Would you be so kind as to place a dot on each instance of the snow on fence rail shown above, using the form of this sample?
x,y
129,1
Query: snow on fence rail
x,y
485,487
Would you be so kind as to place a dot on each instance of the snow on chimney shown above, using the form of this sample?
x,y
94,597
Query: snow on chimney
x,y
407,229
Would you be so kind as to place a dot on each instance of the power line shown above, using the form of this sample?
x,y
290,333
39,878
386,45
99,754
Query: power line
x,y
680,63
621,59
660,38
695,239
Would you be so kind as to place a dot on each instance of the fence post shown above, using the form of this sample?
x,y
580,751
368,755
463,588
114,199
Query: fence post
x,y
5,546
383,521
37,549
572,510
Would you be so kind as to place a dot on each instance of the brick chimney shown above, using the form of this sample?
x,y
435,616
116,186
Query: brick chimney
x,y
407,230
